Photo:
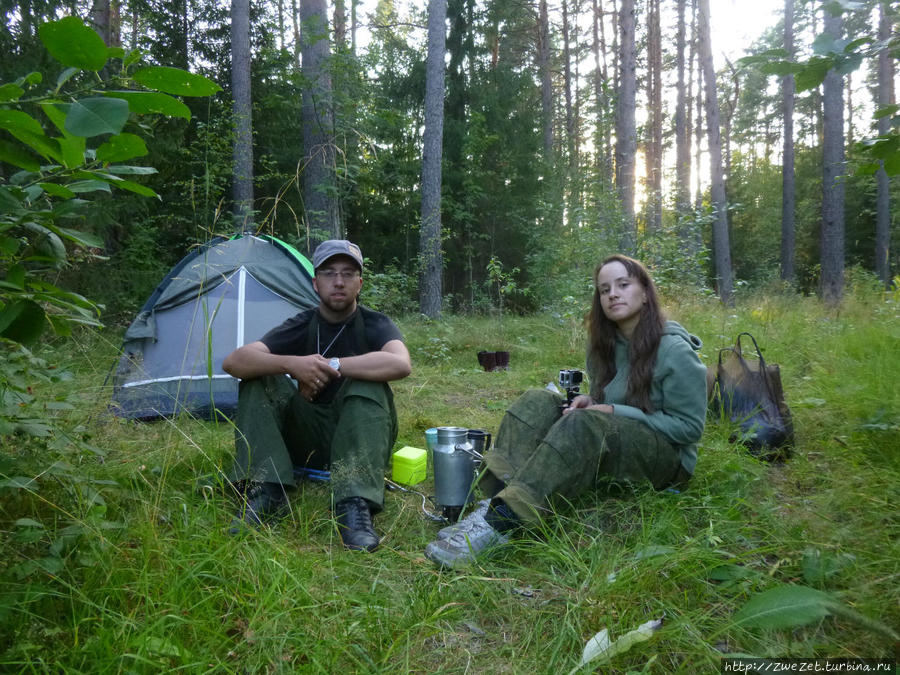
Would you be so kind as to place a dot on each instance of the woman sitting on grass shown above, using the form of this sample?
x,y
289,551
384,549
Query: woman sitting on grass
x,y
641,421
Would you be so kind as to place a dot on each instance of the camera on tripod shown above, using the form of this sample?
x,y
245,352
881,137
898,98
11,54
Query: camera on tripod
x,y
570,380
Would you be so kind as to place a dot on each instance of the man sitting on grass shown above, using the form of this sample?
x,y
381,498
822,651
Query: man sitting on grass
x,y
334,409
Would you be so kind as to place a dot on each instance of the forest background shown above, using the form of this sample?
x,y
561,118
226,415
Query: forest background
x,y
542,155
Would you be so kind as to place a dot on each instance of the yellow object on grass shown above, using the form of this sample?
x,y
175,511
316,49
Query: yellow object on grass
x,y
410,465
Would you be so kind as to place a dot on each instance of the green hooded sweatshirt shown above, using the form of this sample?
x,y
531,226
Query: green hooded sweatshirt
x,y
677,394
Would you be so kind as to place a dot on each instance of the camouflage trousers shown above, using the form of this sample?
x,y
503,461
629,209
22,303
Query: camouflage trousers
x,y
540,453
277,429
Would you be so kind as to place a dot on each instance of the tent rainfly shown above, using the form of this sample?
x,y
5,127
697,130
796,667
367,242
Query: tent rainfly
x,y
220,296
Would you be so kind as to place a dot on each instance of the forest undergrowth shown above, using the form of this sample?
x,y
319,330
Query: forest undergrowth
x,y
115,556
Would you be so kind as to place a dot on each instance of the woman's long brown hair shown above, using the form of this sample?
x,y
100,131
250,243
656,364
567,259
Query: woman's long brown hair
x,y
644,341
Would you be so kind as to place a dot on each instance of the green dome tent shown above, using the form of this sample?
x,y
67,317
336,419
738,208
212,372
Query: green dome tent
x,y
220,296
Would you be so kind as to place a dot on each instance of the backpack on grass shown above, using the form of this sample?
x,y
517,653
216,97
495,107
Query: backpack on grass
x,y
748,391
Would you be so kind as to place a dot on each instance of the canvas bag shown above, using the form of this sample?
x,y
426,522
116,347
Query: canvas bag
x,y
749,392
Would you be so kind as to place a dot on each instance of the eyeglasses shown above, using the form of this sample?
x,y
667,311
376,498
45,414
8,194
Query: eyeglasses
x,y
331,275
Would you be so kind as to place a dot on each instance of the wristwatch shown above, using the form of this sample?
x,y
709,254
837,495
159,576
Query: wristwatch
x,y
335,363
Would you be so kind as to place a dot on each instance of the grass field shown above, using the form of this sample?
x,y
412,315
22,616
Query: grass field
x,y
115,557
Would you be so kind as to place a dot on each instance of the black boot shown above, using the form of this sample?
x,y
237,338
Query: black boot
x,y
262,504
354,520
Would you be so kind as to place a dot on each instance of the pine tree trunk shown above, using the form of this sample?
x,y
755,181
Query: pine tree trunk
x,y
682,128
832,232
721,243
242,179
340,26
571,141
883,200
788,271
430,289
626,135
319,188
654,99
546,81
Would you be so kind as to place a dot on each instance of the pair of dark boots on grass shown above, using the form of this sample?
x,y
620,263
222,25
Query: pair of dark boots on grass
x,y
265,503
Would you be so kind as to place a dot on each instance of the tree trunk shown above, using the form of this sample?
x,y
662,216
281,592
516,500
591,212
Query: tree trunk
x,y
295,22
106,21
242,179
601,86
571,141
430,289
682,128
721,243
883,202
788,272
319,188
340,26
626,136
546,81
832,233
654,124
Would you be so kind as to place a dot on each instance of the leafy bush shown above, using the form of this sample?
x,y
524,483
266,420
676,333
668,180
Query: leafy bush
x,y
68,141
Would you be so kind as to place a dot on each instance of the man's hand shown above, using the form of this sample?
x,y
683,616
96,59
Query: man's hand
x,y
312,374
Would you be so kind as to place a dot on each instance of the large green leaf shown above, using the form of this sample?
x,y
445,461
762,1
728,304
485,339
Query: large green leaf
x,y
83,238
22,321
57,190
73,44
151,102
10,92
43,145
137,188
16,119
99,115
812,74
72,149
121,147
17,156
175,81
785,607
88,186
125,170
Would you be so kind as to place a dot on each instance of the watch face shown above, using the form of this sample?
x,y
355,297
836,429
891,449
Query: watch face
x,y
335,363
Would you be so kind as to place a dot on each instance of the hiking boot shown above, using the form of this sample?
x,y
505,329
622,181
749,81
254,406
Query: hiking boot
x,y
263,503
354,520
477,513
472,538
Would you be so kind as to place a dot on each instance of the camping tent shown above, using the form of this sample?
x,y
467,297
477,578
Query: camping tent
x,y
220,296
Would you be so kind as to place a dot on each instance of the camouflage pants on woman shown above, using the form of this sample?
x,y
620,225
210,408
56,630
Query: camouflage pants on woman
x,y
540,453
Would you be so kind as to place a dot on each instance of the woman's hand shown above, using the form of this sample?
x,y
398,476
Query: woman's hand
x,y
585,402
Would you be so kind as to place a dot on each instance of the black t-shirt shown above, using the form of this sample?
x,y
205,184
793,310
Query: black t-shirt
x,y
292,336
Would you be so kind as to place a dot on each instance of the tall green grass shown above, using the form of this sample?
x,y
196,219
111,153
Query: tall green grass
x,y
115,559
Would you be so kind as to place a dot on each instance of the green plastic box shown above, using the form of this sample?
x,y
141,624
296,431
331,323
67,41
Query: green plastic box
x,y
410,465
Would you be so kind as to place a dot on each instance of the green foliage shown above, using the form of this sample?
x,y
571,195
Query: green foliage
x,y
69,141
845,55
392,291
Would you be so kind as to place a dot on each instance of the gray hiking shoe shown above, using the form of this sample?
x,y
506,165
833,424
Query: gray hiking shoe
x,y
472,538
461,526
